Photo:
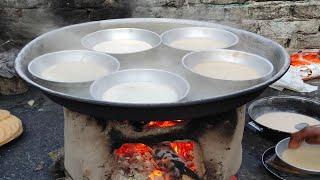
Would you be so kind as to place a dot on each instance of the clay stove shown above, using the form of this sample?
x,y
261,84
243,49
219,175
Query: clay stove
x,y
207,148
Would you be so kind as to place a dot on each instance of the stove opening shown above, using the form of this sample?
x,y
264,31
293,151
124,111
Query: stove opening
x,y
168,160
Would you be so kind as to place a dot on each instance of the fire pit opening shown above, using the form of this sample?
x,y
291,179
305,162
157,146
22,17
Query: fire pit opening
x,y
166,160
207,148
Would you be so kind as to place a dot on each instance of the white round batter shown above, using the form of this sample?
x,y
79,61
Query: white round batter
x,y
306,156
122,46
226,70
285,121
141,92
198,44
74,72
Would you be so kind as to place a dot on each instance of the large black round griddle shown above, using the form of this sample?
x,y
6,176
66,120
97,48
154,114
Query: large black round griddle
x,y
293,104
204,98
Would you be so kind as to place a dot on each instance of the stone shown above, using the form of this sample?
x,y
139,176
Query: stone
x,y
251,25
12,86
307,10
7,63
23,3
269,10
223,1
10,83
302,41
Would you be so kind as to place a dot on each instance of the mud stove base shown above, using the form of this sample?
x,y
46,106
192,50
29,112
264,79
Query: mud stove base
x,y
207,148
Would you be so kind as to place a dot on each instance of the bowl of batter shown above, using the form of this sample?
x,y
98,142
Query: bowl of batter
x,y
199,38
283,115
140,86
230,66
305,158
121,40
72,68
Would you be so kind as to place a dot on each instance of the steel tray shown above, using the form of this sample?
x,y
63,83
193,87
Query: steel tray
x,y
206,97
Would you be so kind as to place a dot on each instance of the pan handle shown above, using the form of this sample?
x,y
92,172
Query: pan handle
x,y
253,126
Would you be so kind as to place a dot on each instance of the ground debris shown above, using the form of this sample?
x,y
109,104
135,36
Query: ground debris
x,y
39,166
57,168
31,102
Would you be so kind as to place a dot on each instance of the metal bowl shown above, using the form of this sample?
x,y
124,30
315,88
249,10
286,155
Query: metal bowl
x,y
225,38
92,39
283,145
39,64
294,104
180,85
260,64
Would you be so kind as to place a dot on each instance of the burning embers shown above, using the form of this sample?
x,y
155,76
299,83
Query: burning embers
x,y
163,161
163,124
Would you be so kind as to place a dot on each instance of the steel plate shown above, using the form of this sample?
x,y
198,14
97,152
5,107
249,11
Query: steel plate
x,y
205,97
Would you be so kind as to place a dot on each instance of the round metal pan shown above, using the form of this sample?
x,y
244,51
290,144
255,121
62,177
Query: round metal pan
x,y
38,65
283,145
294,104
204,98
281,170
178,84
261,65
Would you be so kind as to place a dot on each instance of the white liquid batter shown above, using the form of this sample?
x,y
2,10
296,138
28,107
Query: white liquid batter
x,y
285,121
74,72
226,70
141,92
122,46
198,44
306,156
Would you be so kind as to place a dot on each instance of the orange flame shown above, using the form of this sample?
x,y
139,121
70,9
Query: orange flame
x,y
155,173
128,149
163,124
184,149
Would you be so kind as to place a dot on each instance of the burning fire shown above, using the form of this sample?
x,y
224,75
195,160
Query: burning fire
x,y
156,173
129,149
184,149
133,155
163,124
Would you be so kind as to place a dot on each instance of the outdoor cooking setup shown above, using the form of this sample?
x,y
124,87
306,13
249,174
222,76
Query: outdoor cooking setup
x,y
178,122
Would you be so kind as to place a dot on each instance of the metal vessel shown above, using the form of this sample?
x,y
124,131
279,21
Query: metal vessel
x,y
205,97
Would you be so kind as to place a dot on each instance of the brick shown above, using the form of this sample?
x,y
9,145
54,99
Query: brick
x,y
287,29
307,10
222,1
311,41
268,11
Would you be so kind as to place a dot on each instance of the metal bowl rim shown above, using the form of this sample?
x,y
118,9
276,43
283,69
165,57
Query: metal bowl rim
x,y
229,50
265,164
114,29
280,157
215,29
137,69
39,58
251,89
254,103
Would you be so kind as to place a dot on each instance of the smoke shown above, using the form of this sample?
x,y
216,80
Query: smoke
x,y
22,22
